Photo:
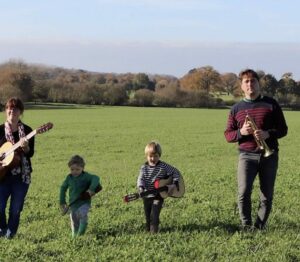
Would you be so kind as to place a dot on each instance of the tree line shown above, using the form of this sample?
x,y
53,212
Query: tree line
x,y
200,87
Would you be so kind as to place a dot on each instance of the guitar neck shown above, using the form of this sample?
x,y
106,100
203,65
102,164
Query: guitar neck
x,y
154,191
16,145
135,196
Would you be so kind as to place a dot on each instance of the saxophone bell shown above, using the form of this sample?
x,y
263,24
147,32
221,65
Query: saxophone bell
x,y
260,142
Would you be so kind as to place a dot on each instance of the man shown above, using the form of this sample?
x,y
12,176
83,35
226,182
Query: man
x,y
270,126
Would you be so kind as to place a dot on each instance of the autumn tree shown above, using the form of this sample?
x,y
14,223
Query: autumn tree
x,y
269,85
287,85
168,94
297,89
126,80
205,79
15,81
98,79
111,79
143,97
115,95
58,93
142,81
40,90
229,81
197,99
260,73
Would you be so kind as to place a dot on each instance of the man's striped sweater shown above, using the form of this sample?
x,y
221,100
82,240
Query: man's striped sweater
x,y
267,115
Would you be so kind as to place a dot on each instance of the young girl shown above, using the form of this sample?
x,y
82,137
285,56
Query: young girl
x,y
152,170
82,186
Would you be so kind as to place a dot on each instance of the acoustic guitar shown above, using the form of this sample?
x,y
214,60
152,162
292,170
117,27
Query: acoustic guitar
x,y
161,188
7,150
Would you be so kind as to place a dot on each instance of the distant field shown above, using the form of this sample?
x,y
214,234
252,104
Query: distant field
x,y
202,226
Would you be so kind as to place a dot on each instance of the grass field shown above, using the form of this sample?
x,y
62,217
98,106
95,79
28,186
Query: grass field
x,y
201,226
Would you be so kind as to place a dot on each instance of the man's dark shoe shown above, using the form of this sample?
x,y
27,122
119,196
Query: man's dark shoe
x,y
153,229
9,234
2,232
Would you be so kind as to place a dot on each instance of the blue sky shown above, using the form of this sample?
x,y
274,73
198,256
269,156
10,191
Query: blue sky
x,y
151,36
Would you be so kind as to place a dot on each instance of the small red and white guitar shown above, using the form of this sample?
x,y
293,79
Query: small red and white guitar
x,y
7,150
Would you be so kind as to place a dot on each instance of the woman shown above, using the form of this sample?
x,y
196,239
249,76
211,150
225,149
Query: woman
x,y
15,178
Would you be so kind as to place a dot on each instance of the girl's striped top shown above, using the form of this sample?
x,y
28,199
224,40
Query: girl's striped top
x,y
267,115
148,174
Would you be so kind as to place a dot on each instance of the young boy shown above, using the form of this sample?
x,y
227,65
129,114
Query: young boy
x,y
82,186
152,170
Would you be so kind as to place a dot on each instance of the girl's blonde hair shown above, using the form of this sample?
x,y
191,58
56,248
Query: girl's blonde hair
x,y
76,160
153,147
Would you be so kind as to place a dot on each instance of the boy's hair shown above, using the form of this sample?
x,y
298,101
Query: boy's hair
x,y
153,147
76,160
15,102
248,72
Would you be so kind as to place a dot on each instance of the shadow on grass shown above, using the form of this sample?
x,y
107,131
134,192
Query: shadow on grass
x,y
193,227
129,229
117,230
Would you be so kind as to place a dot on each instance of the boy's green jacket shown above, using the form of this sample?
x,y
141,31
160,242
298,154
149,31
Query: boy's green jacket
x,y
77,185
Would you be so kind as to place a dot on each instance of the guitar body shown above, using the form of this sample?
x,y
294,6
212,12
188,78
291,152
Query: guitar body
x,y
176,193
6,159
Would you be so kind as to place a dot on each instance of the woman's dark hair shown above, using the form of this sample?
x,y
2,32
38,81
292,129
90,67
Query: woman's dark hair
x,y
15,102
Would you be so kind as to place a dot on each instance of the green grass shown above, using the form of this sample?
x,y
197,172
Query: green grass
x,y
201,226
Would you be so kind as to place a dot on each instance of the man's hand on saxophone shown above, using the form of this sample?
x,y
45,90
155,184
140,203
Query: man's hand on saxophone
x,y
246,129
249,128
261,135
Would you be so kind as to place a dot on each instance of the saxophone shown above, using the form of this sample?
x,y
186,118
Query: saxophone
x,y
261,143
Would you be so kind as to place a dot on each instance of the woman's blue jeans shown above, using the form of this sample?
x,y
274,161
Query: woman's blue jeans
x,y
12,187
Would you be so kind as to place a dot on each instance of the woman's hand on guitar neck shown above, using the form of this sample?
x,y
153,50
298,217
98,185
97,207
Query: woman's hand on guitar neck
x,y
24,145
